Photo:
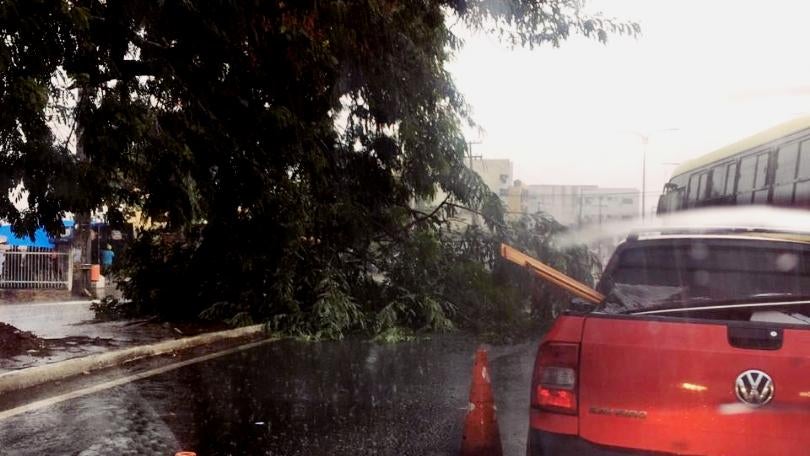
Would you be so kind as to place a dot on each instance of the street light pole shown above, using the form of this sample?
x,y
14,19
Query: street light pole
x,y
645,140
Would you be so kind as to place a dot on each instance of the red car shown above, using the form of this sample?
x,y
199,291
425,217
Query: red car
x,y
702,346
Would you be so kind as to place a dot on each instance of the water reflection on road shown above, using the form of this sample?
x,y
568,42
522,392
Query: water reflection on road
x,y
295,398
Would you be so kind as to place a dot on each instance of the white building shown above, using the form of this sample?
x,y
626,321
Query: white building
x,y
496,173
601,205
571,205
575,205
563,202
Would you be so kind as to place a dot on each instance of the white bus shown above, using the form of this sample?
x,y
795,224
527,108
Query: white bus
x,y
770,167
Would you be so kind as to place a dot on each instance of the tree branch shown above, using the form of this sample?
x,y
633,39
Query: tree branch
x,y
124,69
427,216
474,211
144,43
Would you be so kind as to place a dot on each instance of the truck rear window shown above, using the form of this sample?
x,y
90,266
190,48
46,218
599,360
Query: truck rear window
x,y
695,272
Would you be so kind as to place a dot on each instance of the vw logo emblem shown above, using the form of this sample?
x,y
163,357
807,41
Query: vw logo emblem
x,y
754,388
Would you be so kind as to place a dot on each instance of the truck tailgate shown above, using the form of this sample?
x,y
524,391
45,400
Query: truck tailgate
x,y
670,385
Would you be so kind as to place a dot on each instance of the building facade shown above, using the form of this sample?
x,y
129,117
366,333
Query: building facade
x,y
496,173
602,205
574,205
571,205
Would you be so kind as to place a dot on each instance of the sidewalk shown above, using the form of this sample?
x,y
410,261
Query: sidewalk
x,y
70,331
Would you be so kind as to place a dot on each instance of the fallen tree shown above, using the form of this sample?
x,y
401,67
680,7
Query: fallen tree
x,y
270,150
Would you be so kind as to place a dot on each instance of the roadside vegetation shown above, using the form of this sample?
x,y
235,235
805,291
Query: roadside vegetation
x,y
440,277
271,153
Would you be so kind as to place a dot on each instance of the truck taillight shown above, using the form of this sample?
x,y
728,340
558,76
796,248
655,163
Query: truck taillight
x,y
554,384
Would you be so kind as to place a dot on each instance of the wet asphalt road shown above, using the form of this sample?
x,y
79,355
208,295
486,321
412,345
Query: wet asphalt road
x,y
290,398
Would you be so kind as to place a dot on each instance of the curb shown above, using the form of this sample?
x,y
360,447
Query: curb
x,y
46,303
34,376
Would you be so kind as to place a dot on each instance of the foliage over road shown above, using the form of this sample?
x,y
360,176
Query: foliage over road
x,y
274,148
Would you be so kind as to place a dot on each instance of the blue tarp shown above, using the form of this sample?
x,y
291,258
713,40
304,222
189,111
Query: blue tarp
x,y
40,238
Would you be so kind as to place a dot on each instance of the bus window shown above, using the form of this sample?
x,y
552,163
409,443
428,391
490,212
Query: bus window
x,y
745,184
731,176
761,179
802,195
786,163
785,173
804,161
761,175
747,171
761,196
718,181
679,182
783,193
704,179
693,187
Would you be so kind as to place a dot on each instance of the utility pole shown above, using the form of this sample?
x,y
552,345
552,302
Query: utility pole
x,y
470,154
600,210
645,141
471,157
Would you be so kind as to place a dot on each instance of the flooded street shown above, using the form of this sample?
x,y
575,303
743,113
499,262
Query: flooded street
x,y
291,398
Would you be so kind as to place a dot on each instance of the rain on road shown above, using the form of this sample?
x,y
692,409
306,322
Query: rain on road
x,y
291,398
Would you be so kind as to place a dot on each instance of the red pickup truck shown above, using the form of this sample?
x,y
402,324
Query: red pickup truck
x,y
701,346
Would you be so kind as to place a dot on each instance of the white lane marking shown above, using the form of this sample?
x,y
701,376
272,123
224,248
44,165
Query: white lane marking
x,y
124,380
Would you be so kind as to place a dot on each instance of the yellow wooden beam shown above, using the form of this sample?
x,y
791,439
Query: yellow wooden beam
x,y
552,275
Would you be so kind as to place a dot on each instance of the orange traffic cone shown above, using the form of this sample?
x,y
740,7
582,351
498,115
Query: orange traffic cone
x,y
481,436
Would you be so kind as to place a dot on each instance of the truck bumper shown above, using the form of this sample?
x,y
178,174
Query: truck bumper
x,y
541,443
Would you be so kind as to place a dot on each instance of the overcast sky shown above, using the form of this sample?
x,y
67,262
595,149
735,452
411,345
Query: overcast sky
x,y
715,70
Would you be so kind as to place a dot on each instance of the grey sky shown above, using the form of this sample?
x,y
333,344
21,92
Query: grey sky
x,y
716,70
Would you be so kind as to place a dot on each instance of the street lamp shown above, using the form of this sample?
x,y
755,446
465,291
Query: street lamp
x,y
645,141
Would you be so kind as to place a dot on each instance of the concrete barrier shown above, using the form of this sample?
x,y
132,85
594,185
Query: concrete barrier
x,y
33,376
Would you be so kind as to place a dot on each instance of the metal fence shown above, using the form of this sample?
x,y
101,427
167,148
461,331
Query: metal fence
x,y
35,267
